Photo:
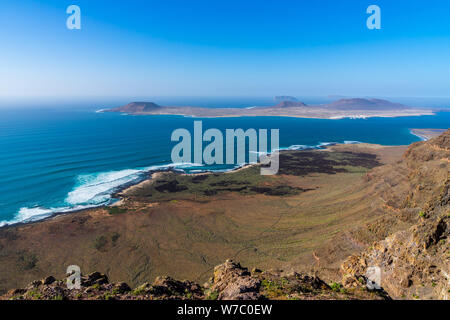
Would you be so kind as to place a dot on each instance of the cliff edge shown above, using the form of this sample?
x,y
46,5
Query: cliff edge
x,y
414,262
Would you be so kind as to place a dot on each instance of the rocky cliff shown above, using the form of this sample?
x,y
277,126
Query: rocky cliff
x,y
414,262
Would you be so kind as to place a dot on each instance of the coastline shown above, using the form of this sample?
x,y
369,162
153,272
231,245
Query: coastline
x,y
165,231
325,115
147,178
426,134
152,175
423,138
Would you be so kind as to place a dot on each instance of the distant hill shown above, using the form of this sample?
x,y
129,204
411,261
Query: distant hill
x,y
135,107
285,98
287,104
364,104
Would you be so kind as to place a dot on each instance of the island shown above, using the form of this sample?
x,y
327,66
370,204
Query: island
x,y
343,108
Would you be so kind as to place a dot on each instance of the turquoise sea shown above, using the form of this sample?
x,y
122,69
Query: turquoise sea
x,y
61,158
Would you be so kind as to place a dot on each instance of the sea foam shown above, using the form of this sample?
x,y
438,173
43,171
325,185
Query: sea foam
x,y
93,190
96,189
26,215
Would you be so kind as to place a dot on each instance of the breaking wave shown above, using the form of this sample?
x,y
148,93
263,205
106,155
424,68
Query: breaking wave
x,y
93,190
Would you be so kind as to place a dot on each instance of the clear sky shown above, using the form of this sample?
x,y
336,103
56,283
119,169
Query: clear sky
x,y
224,48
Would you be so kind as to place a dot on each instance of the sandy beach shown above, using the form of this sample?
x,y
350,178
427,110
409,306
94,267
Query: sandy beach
x,y
426,134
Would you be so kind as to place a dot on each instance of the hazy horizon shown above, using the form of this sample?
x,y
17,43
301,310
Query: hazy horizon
x,y
100,102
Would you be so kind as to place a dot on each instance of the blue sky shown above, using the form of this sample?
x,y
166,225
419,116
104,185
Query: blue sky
x,y
224,48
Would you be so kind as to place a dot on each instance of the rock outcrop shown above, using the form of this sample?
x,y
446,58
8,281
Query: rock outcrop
x,y
230,282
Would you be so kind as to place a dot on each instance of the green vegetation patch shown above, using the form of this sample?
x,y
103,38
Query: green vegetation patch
x,y
173,186
200,187
27,260
114,237
301,163
116,210
213,295
100,243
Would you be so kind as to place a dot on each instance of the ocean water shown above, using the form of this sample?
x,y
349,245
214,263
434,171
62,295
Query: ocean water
x,y
62,159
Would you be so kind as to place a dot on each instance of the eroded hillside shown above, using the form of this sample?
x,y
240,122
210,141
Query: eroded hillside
x,y
415,261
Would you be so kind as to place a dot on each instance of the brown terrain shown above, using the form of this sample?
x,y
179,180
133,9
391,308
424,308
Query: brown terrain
x,y
328,213
427,134
415,261
342,108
